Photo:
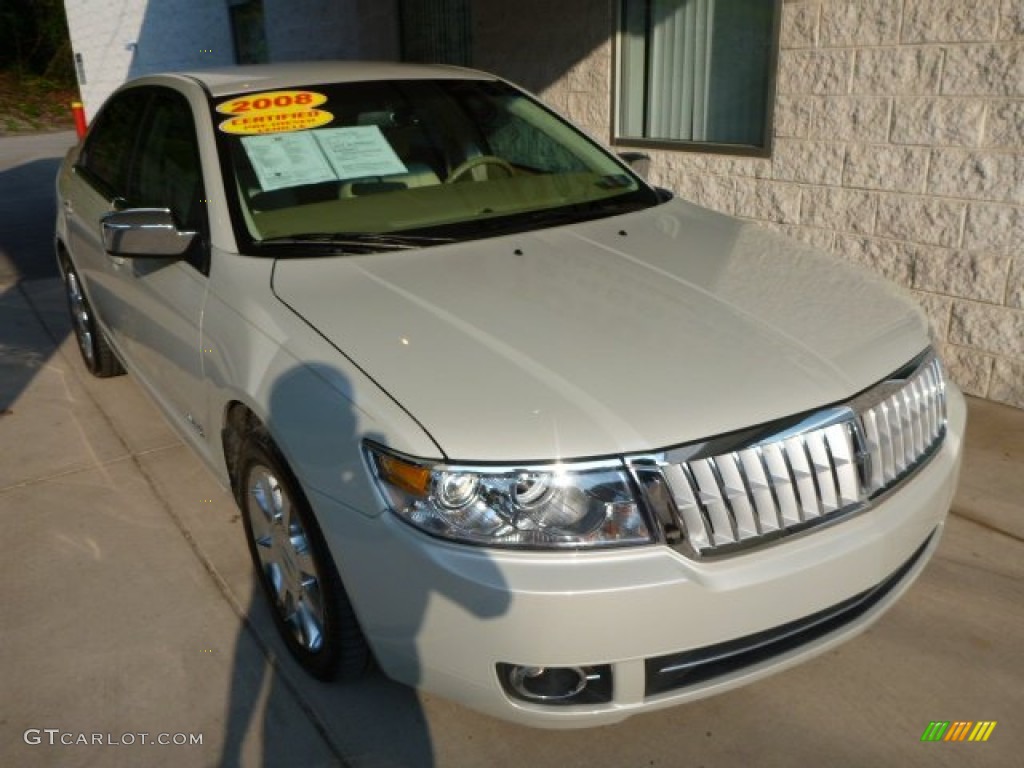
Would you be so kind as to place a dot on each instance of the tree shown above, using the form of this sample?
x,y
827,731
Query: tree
x,y
34,39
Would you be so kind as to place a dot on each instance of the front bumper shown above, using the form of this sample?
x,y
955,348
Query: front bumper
x,y
441,616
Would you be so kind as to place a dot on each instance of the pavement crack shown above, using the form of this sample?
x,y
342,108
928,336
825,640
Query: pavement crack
x,y
87,466
75,470
986,525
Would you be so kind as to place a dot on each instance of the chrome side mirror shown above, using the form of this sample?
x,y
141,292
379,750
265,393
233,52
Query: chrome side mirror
x,y
144,232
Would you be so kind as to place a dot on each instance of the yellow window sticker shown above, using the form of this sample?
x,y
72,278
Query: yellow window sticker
x,y
274,112
271,100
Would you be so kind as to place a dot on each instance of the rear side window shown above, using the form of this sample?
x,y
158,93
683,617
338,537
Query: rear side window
x,y
107,153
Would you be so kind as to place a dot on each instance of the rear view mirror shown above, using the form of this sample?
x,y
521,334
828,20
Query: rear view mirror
x,y
144,232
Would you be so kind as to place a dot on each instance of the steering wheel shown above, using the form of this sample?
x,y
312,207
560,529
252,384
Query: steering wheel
x,y
475,162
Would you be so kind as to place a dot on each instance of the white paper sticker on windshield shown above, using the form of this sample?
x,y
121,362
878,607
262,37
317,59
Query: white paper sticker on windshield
x,y
358,151
287,160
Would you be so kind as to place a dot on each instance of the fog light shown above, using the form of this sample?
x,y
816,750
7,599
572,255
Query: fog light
x,y
557,685
548,683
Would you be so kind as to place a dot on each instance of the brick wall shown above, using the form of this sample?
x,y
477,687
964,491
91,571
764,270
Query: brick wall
x,y
899,144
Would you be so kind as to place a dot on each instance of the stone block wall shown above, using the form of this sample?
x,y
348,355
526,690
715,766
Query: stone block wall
x,y
899,144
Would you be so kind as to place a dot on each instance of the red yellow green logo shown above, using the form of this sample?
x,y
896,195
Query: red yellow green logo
x,y
958,730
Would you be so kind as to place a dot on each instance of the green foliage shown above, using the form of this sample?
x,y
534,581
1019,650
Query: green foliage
x,y
34,40
29,103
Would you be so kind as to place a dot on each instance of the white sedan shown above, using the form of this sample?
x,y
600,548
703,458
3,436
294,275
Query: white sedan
x,y
538,437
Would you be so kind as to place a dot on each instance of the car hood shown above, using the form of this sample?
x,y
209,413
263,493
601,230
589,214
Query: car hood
x,y
619,335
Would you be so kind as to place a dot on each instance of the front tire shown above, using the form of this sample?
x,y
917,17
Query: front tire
x,y
311,609
97,355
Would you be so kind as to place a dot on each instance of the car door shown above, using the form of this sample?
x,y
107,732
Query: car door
x,y
165,297
98,185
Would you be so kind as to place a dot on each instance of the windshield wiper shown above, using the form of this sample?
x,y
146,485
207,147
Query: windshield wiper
x,y
403,239
361,242
597,209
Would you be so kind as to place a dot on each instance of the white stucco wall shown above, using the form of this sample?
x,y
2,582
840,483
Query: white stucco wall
x,y
118,39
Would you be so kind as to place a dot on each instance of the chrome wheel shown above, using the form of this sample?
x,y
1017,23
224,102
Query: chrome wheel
x,y
96,352
285,558
81,319
295,568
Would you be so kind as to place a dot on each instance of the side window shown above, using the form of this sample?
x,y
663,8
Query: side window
x,y
106,156
167,173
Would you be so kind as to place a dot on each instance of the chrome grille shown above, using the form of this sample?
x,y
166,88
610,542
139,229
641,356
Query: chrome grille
x,y
737,492
903,425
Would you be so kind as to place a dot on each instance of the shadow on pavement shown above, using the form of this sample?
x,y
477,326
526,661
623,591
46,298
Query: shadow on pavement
x,y
371,721
27,209
26,253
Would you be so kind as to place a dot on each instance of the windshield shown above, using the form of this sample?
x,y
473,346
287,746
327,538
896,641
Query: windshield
x,y
411,163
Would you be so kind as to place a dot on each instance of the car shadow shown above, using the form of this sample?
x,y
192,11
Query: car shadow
x,y
27,210
371,721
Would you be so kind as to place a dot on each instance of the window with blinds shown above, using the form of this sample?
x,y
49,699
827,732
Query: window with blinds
x,y
697,71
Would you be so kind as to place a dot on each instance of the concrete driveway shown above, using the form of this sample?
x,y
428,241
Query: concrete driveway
x,y
128,601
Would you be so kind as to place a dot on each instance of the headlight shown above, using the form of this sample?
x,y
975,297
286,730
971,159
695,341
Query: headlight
x,y
588,504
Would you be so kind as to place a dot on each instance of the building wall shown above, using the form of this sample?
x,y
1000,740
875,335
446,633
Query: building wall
x,y
898,139
305,30
899,144
119,39
561,51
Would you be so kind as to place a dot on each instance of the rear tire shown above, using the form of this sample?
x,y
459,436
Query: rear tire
x,y
97,355
311,608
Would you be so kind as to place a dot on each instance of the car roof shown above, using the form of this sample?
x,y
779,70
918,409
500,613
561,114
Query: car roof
x,y
222,81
